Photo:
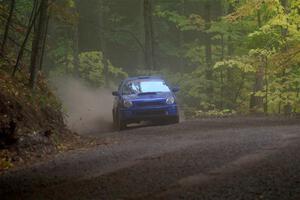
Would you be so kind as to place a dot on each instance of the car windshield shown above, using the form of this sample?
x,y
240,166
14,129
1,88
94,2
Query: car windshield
x,y
145,86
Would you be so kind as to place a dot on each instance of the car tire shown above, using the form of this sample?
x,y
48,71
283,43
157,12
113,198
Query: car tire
x,y
119,123
114,118
174,120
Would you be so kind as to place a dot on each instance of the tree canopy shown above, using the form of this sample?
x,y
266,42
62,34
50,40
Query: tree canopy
x,y
227,56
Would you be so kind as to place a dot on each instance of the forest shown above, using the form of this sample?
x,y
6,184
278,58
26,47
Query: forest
x,y
227,56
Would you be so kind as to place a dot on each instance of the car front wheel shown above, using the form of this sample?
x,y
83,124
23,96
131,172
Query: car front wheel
x,y
174,120
119,123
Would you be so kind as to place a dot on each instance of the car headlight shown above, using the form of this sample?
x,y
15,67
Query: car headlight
x,y
170,100
127,103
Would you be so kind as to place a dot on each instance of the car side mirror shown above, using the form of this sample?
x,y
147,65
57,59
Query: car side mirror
x,y
175,89
115,93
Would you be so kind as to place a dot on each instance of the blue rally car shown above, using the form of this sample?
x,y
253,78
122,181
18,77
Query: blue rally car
x,y
146,98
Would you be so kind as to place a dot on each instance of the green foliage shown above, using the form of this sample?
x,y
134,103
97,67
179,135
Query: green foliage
x,y
269,46
264,41
214,113
116,74
91,69
238,63
184,23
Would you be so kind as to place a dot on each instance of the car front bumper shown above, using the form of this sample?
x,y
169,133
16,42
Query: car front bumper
x,y
132,115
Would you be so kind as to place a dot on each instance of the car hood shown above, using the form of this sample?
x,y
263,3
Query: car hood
x,y
153,96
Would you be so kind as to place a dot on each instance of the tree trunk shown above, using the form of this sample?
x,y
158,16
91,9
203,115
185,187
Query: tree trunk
x,y
181,37
255,101
230,53
208,50
266,107
280,94
8,22
285,3
76,42
33,16
45,32
149,37
37,43
76,51
298,97
230,48
103,42
221,73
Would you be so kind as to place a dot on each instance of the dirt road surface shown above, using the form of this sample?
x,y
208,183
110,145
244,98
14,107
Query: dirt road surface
x,y
248,158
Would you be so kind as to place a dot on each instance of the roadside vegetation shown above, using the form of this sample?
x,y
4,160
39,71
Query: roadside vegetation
x,y
245,56
31,124
228,57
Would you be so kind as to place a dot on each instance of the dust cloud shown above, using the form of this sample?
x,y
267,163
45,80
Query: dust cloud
x,y
88,110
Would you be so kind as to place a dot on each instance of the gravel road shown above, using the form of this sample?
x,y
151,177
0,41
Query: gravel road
x,y
233,158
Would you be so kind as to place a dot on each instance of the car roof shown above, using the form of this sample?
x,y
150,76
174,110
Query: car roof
x,y
143,77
